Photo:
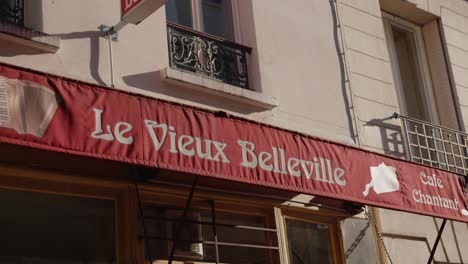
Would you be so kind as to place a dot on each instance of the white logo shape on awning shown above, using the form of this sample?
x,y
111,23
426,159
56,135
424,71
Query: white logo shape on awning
x,y
384,180
464,212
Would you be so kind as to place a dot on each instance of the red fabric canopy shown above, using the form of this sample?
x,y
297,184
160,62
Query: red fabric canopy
x,y
57,114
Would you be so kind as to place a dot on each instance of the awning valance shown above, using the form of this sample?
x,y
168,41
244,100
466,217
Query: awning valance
x,y
57,114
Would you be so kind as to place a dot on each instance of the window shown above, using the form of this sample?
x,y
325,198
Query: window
x,y
201,39
12,11
412,80
311,239
214,17
410,69
423,112
235,238
308,242
44,228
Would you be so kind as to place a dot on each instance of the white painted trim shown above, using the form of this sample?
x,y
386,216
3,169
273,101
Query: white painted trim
x,y
281,236
197,18
215,87
29,38
395,69
236,21
197,15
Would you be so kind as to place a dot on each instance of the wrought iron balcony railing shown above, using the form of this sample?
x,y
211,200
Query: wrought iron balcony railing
x,y
12,11
208,55
435,145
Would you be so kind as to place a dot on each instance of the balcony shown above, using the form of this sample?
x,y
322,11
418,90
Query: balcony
x,y
207,55
12,11
434,145
25,40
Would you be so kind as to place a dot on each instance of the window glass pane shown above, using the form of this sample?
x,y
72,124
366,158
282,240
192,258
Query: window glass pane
x,y
39,228
10,12
230,234
410,73
308,242
189,247
180,12
217,18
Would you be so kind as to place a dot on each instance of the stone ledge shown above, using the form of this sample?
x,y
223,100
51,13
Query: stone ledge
x,y
211,86
29,38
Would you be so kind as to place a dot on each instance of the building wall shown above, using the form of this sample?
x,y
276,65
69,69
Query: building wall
x,y
326,63
408,237
283,60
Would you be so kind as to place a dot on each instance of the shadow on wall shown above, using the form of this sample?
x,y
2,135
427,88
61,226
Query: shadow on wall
x,y
94,37
358,241
442,254
249,38
343,73
391,137
32,20
11,49
153,82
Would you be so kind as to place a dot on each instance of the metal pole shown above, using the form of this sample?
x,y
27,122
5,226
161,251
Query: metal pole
x,y
142,218
179,228
135,171
111,60
215,234
436,243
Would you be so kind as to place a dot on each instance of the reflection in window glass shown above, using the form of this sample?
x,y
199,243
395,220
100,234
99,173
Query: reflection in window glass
x,y
308,242
196,240
41,228
410,73
180,12
10,11
217,18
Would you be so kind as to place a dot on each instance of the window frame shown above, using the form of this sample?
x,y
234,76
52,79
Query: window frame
x,y
335,243
390,21
17,5
197,18
45,182
175,197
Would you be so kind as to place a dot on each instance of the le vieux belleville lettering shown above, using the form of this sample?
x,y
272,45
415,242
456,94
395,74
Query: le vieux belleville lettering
x,y
276,161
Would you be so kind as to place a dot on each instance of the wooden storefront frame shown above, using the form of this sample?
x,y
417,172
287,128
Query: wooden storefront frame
x,y
129,244
336,238
46,182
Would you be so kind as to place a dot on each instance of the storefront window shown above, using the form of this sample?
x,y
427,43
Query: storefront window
x,y
240,238
38,228
308,242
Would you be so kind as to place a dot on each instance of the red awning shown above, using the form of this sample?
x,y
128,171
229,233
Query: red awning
x,y
45,112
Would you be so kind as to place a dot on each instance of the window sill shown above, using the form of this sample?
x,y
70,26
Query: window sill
x,y
29,38
214,87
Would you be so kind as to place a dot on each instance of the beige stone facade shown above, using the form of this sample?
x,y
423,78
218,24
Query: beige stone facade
x,y
318,67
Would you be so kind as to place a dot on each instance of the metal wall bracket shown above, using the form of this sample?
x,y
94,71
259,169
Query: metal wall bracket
x,y
112,31
109,32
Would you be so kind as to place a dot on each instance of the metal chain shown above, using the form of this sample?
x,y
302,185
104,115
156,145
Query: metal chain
x,y
370,215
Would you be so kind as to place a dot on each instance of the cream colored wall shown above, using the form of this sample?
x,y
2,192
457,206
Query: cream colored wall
x,y
299,64
408,237
370,76
295,58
